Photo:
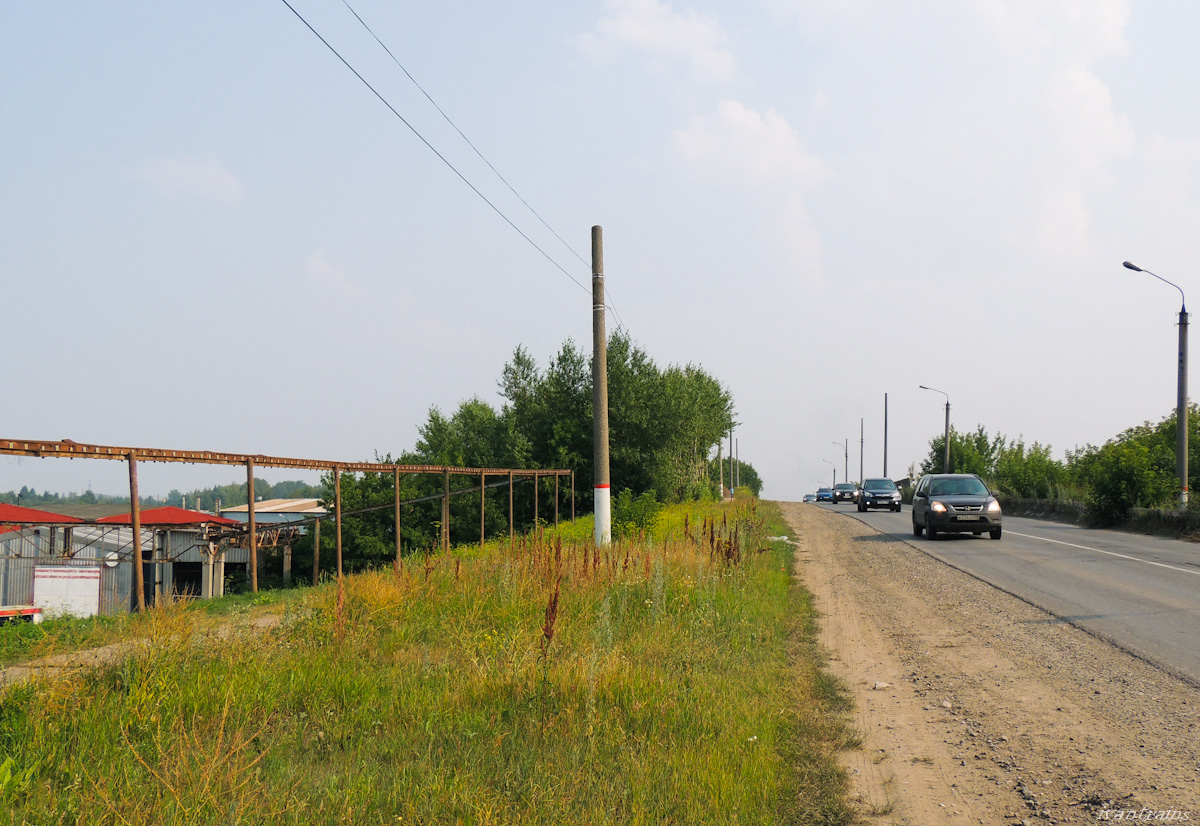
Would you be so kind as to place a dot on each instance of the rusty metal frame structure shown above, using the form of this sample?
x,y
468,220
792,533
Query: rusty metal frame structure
x,y
67,449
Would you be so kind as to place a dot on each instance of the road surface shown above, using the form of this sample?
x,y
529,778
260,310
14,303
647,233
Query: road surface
x,y
1141,593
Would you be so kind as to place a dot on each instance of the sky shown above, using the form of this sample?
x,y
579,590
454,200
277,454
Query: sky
x,y
213,236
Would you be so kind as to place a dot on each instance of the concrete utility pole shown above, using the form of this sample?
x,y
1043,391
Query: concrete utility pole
x,y
845,446
862,441
885,424
946,460
731,485
1181,406
601,485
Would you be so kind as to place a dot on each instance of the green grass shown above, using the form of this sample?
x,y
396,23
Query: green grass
x,y
22,641
681,683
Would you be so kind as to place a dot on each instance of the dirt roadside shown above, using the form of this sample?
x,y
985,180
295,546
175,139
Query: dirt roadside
x,y
977,708
57,665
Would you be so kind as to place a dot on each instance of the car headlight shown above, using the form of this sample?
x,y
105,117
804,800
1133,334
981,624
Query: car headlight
x,y
993,506
937,507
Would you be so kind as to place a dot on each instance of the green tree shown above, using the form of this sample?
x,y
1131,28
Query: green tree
x,y
1029,472
974,452
1126,473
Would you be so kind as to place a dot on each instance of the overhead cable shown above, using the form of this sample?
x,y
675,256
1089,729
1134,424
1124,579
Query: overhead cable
x,y
460,133
474,148
441,157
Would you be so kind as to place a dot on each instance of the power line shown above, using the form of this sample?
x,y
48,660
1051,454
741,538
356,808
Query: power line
x,y
441,157
474,148
460,133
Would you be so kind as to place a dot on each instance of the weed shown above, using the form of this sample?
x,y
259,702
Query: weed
x,y
673,678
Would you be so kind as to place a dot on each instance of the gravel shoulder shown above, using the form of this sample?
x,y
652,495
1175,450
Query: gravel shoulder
x,y
977,708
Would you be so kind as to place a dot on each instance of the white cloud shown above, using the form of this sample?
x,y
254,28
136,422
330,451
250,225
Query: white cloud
x,y
747,148
331,277
666,36
763,155
203,176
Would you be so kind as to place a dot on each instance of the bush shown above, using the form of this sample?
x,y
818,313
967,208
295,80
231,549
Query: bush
x,y
1124,475
632,516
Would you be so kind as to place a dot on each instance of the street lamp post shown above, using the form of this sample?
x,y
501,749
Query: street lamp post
x,y
946,460
845,446
832,465
1181,410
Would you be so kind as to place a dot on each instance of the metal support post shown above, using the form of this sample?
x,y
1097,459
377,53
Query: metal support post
x,y
253,534
135,518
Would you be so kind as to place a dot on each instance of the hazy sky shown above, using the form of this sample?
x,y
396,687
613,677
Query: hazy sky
x,y
213,236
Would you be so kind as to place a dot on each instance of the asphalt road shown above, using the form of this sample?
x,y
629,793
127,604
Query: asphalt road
x,y
1141,593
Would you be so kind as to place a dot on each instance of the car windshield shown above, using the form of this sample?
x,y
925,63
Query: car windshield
x,y
879,484
966,486
823,490
845,487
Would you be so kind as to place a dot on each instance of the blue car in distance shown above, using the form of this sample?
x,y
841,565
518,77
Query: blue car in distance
x,y
824,494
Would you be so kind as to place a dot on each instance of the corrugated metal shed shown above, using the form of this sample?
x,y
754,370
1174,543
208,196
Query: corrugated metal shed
x,y
305,506
275,511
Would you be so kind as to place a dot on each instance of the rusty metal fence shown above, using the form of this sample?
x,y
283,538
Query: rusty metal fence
x,y
67,449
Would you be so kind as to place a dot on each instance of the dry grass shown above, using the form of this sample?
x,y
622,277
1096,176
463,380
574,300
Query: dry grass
x,y
669,679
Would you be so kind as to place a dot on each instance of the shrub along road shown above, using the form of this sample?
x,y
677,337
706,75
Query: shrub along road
x,y
978,707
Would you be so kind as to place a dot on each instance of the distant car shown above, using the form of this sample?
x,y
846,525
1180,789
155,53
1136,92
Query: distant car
x,y
845,492
954,503
824,494
810,497
879,493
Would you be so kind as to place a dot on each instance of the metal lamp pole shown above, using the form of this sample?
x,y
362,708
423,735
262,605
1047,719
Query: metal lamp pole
x,y
845,446
1181,409
832,465
946,461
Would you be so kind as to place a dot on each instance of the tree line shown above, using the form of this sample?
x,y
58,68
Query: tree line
x,y
205,499
665,425
1134,469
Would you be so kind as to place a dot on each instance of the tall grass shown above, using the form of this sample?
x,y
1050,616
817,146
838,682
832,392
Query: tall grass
x,y
673,678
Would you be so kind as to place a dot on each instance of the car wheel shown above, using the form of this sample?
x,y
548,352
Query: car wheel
x,y
931,531
994,533
862,508
917,529
896,509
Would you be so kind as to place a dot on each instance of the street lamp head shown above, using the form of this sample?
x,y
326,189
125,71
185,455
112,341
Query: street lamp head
x,y
923,387
1132,266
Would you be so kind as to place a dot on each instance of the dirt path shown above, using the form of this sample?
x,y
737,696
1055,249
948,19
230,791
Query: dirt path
x,y
59,664
976,708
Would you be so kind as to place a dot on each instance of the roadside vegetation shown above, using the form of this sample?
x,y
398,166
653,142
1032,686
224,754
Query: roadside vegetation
x,y
667,425
673,677
1135,469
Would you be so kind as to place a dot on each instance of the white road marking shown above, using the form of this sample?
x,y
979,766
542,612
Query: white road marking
x,y
1109,553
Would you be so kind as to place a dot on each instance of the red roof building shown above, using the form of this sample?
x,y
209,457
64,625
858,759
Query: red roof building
x,y
168,516
15,514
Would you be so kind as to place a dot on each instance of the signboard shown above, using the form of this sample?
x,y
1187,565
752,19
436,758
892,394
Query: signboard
x,y
71,590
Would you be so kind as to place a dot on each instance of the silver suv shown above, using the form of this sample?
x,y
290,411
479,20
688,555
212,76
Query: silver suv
x,y
954,503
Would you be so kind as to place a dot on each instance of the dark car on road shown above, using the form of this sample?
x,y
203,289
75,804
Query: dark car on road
x,y
879,493
954,503
824,494
845,492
